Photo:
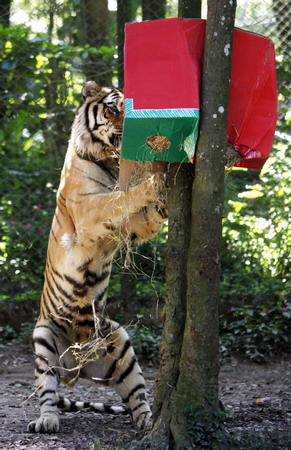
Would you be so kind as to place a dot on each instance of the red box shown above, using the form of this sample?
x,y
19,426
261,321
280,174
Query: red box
x,y
163,64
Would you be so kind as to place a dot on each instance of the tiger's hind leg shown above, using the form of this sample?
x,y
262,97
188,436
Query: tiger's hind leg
x,y
125,374
47,379
117,364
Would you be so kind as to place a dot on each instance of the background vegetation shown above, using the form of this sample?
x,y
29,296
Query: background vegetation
x,y
47,50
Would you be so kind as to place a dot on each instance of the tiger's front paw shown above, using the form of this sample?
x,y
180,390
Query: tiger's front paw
x,y
144,421
48,423
142,416
153,188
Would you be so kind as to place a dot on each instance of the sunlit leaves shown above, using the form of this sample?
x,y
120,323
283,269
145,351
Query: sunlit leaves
x,y
252,193
257,236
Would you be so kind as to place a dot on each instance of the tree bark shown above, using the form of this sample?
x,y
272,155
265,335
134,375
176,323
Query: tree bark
x,y
187,384
55,126
124,14
199,363
179,201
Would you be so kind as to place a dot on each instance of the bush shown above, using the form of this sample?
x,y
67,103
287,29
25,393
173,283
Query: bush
x,y
145,342
256,332
7,333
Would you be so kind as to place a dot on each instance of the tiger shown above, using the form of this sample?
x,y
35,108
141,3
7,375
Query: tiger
x,y
93,219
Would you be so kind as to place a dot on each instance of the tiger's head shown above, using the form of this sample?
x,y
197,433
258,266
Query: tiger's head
x,y
97,129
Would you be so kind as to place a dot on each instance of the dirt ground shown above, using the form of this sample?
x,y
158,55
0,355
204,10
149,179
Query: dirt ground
x,y
257,397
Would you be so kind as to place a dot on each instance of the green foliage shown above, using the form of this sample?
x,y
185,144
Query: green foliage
x,y
24,337
249,440
145,341
7,333
208,431
149,261
29,149
257,240
147,265
24,235
40,85
256,332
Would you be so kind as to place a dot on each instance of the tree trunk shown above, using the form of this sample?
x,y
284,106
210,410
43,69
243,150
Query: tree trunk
x,y
180,180
95,33
186,390
5,21
153,9
124,14
55,124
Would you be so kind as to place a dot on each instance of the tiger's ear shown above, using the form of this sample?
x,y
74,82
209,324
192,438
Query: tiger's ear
x,y
91,89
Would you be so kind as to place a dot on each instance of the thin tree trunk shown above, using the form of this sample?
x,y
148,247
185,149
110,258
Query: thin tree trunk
x,y
55,124
5,13
95,33
124,14
5,21
187,383
54,127
153,9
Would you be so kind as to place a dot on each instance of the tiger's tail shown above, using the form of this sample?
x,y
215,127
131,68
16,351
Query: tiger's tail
x,y
68,405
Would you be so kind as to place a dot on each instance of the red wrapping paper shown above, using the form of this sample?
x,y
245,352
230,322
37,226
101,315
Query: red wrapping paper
x,y
155,79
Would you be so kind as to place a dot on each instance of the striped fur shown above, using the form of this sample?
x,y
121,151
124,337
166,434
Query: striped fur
x,y
92,219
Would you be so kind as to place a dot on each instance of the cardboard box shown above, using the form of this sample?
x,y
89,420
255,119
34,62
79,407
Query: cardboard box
x,y
162,68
